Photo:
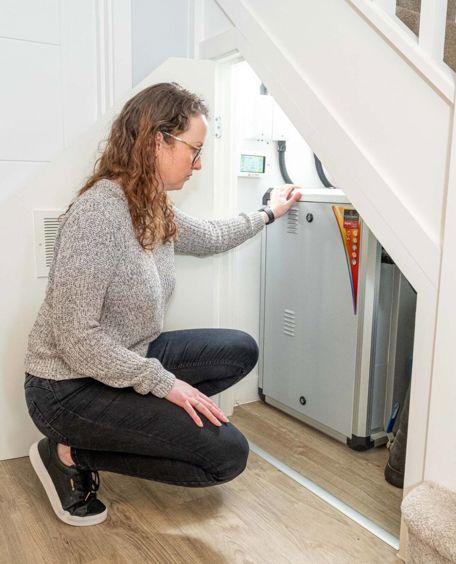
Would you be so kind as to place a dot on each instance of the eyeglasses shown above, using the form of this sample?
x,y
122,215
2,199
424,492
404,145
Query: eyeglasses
x,y
197,150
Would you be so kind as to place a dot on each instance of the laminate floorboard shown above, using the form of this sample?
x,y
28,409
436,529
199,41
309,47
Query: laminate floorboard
x,y
261,517
356,478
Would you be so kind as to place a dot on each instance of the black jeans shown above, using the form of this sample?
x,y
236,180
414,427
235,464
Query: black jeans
x,y
119,430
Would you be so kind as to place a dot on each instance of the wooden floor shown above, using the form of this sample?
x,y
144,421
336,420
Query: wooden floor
x,y
261,517
356,478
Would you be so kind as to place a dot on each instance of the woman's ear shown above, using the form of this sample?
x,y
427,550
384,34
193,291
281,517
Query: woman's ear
x,y
158,142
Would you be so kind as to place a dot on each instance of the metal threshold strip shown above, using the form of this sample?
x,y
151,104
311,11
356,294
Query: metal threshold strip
x,y
328,498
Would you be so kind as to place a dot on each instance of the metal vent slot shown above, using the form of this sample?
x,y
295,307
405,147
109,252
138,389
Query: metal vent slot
x,y
46,227
51,226
293,220
289,323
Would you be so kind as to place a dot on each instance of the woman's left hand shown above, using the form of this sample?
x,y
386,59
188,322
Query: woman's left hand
x,y
282,198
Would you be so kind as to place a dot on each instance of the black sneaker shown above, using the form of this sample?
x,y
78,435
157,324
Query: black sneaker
x,y
71,491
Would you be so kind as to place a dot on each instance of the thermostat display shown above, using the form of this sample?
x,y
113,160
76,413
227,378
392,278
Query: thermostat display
x,y
253,164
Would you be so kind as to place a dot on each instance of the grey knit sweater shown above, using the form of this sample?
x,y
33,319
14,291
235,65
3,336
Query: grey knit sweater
x,y
106,296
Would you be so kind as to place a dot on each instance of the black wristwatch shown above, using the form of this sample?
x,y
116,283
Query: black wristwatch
x,y
267,210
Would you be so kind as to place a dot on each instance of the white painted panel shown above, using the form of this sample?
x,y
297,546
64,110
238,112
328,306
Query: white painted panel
x,y
30,20
78,68
13,175
214,20
159,30
433,27
122,42
96,60
30,101
441,440
388,5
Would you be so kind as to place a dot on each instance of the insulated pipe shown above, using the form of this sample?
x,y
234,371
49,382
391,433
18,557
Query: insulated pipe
x,y
282,147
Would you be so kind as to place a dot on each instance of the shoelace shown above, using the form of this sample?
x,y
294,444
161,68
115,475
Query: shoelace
x,y
87,483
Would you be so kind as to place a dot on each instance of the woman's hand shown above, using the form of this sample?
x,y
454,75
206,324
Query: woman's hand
x,y
192,400
282,198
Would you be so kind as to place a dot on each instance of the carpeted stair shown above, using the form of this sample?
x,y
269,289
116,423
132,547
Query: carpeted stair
x,y
429,512
409,12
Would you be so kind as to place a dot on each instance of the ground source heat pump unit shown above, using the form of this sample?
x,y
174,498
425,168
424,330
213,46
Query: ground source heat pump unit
x,y
337,321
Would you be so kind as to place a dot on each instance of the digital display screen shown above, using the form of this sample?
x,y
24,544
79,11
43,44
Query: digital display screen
x,y
253,163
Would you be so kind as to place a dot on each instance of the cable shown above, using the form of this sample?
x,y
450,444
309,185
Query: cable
x,y
321,173
282,147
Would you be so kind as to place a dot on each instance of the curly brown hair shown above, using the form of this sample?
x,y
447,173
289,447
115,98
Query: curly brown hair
x,y
129,156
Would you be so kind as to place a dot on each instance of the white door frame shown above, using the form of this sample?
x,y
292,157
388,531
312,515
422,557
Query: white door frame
x,y
225,205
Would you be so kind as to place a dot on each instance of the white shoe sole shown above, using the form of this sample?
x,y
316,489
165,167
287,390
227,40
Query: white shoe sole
x,y
51,492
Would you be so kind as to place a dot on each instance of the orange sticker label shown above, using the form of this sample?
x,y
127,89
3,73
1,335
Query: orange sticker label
x,y
349,224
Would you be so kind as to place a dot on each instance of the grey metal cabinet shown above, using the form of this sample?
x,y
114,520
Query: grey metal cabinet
x,y
325,330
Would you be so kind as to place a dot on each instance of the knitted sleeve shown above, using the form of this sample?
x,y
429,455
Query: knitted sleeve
x,y
90,245
202,237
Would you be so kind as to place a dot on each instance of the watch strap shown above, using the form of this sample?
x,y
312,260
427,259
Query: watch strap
x,y
267,210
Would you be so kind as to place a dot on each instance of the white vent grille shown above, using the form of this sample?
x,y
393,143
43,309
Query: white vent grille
x,y
293,220
46,226
289,322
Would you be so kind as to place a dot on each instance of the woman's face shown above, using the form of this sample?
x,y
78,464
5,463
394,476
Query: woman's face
x,y
175,162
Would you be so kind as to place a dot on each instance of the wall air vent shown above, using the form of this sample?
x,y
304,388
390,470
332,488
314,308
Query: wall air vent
x,y
293,220
46,226
289,322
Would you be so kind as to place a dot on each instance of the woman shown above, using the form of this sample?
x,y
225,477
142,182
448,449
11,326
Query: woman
x,y
105,386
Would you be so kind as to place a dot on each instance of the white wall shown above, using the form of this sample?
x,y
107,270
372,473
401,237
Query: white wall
x,y
56,80
441,451
160,30
32,126
210,20
62,63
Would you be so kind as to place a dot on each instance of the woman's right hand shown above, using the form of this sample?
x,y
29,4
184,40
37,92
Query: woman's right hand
x,y
192,400
282,198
